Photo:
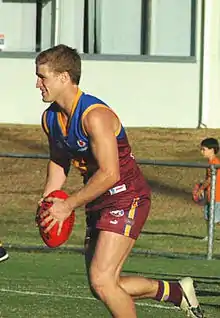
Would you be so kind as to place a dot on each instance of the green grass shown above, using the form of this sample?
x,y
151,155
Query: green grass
x,y
172,211
54,285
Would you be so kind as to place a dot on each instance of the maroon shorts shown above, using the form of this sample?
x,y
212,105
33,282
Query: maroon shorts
x,y
127,220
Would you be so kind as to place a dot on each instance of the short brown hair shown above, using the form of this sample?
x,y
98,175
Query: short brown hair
x,y
62,58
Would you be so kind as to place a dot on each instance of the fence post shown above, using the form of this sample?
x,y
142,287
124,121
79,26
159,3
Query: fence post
x,y
211,213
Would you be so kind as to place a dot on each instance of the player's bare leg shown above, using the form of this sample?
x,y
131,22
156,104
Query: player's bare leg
x,y
181,293
111,249
105,267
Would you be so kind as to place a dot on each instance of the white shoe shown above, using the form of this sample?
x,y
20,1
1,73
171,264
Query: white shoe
x,y
190,304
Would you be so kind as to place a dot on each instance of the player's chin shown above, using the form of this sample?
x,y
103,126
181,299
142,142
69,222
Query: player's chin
x,y
47,99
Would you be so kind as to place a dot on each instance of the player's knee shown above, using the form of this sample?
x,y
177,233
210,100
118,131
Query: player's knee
x,y
100,282
92,288
94,293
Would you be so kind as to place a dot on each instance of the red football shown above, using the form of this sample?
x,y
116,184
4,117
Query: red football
x,y
51,238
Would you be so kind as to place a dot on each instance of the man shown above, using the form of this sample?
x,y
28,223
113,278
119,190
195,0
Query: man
x,y
83,130
3,253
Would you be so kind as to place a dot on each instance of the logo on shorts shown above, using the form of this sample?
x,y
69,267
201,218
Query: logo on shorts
x,y
114,222
117,213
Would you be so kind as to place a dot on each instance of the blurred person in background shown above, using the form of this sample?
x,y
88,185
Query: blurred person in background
x,y
209,148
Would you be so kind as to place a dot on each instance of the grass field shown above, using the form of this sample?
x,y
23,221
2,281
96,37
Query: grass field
x,y
53,284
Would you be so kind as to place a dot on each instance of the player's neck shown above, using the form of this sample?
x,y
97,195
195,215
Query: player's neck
x,y
66,100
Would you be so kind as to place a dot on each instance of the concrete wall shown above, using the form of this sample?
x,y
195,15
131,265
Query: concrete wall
x,y
153,91
143,93
211,66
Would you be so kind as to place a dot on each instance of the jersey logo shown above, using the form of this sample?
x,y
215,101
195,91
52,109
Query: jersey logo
x,y
117,189
82,145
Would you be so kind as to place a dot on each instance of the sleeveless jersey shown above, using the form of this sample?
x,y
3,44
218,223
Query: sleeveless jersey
x,y
73,142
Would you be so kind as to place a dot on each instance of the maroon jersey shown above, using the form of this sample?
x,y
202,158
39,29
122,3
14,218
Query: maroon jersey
x,y
124,208
131,184
73,143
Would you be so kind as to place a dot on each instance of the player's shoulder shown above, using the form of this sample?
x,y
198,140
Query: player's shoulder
x,y
100,113
93,108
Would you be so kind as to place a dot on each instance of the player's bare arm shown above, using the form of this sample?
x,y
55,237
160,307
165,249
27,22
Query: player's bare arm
x,y
55,178
100,125
57,171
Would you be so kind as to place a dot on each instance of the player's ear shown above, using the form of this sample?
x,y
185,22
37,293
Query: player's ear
x,y
65,77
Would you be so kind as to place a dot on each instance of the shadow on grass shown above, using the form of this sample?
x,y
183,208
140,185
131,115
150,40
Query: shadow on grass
x,y
210,305
172,234
208,293
158,187
175,277
189,236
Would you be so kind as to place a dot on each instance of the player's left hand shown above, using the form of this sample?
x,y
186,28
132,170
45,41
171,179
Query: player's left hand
x,y
58,212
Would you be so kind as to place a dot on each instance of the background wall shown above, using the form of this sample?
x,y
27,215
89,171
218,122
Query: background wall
x,y
143,94
166,86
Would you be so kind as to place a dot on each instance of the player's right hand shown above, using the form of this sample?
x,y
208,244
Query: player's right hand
x,y
39,203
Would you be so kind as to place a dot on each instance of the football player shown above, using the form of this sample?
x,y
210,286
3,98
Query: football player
x,y
85,131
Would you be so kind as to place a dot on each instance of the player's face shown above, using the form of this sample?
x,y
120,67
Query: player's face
x,y
48,82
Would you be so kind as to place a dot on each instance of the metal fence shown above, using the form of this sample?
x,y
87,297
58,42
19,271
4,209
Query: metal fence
x,y
212,167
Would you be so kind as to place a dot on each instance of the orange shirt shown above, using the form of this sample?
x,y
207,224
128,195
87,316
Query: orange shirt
x,y
216,160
